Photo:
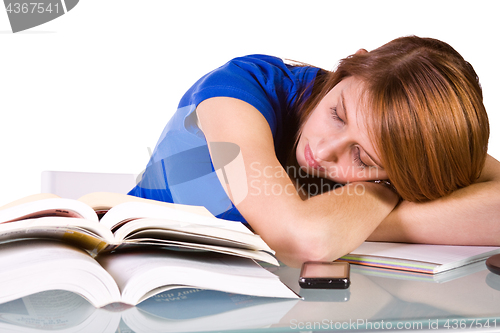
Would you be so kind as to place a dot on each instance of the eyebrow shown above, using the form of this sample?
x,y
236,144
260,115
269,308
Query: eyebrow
x,y
342,103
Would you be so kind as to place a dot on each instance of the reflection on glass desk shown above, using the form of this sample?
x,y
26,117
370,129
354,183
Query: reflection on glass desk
x,y
467,299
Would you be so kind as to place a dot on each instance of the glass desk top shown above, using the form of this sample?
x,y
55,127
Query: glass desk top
x,y
464,300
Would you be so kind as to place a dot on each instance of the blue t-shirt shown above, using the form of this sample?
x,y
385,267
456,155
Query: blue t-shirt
x,y
180,169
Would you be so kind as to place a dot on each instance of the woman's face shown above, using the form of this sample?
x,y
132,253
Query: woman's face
x,y
334,141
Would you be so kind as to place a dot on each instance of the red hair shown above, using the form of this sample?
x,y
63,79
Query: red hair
x,y
426,115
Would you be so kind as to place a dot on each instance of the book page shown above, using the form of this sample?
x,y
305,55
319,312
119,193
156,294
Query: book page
x,y
85,234
51,207
137,273
187,231
29,267
171,245
131,210
108,200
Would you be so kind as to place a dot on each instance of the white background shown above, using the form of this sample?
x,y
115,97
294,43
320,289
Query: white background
x,y
93,89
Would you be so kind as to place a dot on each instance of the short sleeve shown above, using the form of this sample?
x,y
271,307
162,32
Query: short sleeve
x,y
265,82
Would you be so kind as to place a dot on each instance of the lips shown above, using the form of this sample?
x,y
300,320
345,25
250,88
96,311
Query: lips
x,y
311,162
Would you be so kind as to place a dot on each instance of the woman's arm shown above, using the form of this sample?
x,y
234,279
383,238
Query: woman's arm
x,y
469,216
324,227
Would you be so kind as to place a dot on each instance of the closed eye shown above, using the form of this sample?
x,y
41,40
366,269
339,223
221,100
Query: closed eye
x,y
335,115
357,159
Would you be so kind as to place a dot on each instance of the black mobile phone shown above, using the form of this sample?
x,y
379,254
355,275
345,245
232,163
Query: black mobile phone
x,y
325,275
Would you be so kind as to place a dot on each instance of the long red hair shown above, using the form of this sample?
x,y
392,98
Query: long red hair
x,y
425,114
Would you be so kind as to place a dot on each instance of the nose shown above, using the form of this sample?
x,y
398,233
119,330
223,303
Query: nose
x,y
330,149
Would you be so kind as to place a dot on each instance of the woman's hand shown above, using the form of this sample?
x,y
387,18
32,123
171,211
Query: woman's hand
x,y
323,227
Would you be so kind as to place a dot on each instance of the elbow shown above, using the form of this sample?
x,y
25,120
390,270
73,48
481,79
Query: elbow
x,y
311,249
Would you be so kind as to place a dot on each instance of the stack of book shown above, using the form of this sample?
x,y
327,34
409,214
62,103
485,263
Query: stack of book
x,y
117,248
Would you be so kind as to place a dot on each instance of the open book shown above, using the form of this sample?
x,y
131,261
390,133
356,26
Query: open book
x,y
420,258
104,222
30,267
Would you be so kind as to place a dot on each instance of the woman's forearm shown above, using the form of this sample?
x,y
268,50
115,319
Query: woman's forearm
x,y
469,216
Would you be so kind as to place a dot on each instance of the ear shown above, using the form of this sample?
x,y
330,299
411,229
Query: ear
x,y
361,51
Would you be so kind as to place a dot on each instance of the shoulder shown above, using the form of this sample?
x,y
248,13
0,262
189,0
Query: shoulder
x,y
264,81
257,69
250,70
259,64
270,67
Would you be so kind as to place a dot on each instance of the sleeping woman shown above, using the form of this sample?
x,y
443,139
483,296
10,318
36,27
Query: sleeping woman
x,y
390,146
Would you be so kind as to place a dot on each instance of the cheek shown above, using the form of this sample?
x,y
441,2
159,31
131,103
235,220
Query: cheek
x,y
299,155
308,127
317,120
